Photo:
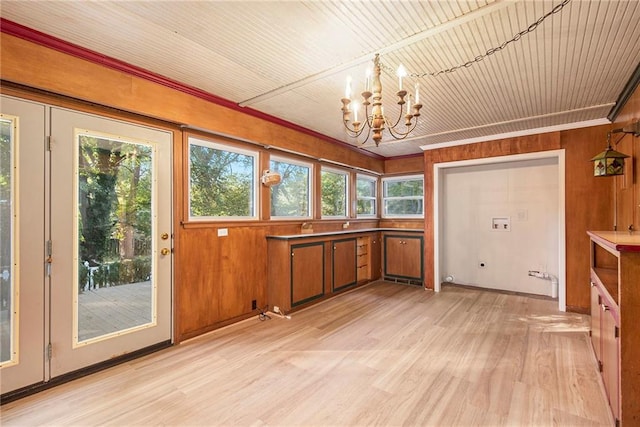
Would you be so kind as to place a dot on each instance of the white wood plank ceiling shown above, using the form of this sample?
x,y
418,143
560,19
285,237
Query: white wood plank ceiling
x,y
290,59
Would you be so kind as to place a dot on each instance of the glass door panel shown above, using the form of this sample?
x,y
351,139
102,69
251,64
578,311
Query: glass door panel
x,y
115,236
22,237
7,246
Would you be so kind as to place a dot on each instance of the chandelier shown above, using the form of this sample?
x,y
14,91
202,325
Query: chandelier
x,y
375,121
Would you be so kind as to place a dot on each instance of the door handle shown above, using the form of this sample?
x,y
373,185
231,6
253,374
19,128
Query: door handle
x,y
165,251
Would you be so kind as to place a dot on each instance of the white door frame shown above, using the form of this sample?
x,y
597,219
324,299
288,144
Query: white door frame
x,y
438,170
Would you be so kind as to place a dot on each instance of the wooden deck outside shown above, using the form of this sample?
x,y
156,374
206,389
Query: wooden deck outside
x,y
105,310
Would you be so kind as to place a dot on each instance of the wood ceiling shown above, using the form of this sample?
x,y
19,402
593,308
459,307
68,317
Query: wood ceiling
x,y
290,59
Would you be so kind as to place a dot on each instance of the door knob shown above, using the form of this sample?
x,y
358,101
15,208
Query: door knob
x,y
165,251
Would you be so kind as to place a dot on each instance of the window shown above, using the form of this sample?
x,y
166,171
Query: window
x,y
222,181
292,197
403,196
366,194
334,192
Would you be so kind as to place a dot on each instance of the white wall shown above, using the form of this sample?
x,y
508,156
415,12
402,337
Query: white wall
x,y
524,191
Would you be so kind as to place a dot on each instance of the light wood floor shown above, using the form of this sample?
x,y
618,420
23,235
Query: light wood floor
x,y
385,354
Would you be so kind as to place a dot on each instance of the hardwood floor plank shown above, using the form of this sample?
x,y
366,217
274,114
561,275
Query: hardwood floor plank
x,y
384,354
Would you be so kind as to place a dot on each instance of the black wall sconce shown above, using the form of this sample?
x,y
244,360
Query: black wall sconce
x,y
611,162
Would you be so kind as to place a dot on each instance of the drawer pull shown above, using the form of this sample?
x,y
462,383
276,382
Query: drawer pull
x,y
604,307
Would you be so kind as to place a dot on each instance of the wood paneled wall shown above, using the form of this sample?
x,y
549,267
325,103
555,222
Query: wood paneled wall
x,y
404,165
588,200
588,206
627,187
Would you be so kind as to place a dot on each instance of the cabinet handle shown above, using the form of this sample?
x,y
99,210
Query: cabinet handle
x,y
334,248
604,307
592,284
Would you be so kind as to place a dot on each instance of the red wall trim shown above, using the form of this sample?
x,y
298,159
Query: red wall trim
x,y
34,36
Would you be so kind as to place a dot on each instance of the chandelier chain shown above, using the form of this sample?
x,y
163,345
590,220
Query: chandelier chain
x,y
531,28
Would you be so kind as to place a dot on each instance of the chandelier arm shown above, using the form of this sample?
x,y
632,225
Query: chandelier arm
x,y
399,135
402,135
400,116
366,139
368,118
352,132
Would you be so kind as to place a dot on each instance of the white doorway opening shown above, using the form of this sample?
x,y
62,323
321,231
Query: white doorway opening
x,y
503,219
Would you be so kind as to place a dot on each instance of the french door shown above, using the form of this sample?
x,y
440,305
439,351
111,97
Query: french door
x,y
101,267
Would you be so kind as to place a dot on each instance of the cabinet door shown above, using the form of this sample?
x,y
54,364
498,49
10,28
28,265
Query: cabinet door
x,y
595,322
375,257
412,257
393,256
344,263
610,361
307,272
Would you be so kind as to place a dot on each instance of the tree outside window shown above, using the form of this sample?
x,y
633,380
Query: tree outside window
x,y
403,196
222,181
334,192
291,198
366,195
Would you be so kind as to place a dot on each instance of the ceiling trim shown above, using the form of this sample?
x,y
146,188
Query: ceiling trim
x,y
505,122
430,32
46,40
626,93
527,132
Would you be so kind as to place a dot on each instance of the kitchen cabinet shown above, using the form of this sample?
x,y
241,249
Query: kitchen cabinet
x,y
304,269
403,257
307,272
615,306
344,259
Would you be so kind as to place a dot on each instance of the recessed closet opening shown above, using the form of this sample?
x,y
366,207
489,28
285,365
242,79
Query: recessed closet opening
x,y
499,223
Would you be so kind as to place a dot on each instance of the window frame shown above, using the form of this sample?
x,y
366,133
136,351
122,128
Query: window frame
x,y
347,175
310,194
376,209
401,178
255,199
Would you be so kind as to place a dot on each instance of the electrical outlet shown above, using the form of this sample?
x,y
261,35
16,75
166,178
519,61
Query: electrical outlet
x,y
276,309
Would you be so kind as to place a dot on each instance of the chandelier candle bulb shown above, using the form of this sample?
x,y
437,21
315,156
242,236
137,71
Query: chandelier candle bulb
x,y
401,73
368,80
347,90
355,111
417,93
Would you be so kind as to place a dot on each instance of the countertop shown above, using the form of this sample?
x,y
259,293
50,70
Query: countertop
x,y
342,232
622,241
